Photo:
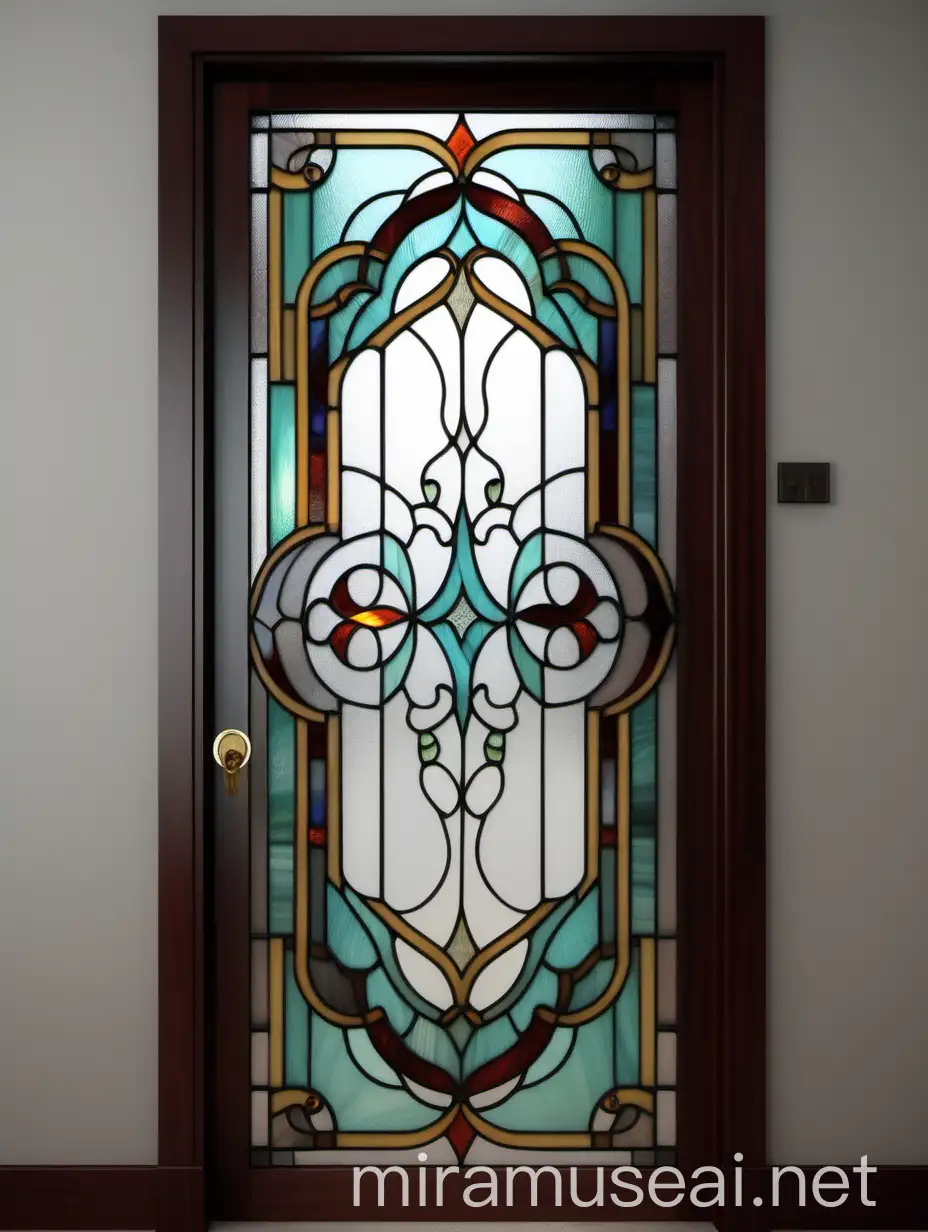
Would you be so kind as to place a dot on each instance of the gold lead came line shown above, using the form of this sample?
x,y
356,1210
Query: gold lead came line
x,y
276,983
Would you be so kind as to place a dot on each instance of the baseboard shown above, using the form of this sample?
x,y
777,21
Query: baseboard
x,y
100,1199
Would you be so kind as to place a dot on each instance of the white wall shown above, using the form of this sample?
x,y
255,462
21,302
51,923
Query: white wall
x,y
848,584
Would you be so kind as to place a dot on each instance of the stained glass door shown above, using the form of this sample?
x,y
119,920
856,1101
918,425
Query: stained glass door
x,y
453,489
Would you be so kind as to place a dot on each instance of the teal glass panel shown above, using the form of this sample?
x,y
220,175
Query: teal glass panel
x,y
382,994
556,1052
627,1027
542,991
643,806
487,1043
296,1030
433,1043
577,936
368,1059
558,220
584,326
297,214
630,242
644,462
281,787
334,278
588,990
282,487
348,941
568,177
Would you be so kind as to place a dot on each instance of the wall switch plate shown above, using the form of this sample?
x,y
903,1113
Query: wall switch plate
x,y
804,483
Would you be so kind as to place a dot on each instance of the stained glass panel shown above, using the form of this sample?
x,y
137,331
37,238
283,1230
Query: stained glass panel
x,y
463,471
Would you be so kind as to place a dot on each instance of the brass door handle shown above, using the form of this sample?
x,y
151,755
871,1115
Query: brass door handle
x,y
232,752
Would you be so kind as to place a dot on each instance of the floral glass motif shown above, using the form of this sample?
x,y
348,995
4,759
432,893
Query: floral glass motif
x,y
463,384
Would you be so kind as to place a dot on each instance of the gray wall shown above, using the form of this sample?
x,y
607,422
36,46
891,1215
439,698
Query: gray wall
x,y
848,585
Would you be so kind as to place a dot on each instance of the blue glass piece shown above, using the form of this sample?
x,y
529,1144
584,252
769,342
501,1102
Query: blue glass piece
x,y
487,1043
357,1102
557,1049
368,1059
627,1027
297,207
526,665
608,376
347,938
593,985
577,936
565,1101
543,990
394,672
370,218
296,1030
318,381
282,462
317,791
643,813
380,992
630,242
527,562
644,462
433,1043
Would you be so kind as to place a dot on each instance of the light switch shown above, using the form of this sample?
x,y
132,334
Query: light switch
x,y
804,483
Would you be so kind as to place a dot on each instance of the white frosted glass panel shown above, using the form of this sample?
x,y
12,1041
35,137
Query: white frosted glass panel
x,y
666,170
565,798
667,273
259,1058
259,159
259,1118
667,462
258,272
258,464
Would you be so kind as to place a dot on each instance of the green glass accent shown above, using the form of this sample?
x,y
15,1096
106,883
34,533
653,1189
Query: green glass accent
x,y
644,462
357,1102
630,242
577,936
643,813
296,1030
368,1059
593,985
494,747
487,1044
282,487
557,1049
429,748
348,941
430,491
627,1027
297,214
527,562
380,992
395,670
433,1043
494,491
281,789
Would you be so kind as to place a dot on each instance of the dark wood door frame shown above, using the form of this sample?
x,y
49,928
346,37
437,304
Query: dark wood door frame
x,y
193,53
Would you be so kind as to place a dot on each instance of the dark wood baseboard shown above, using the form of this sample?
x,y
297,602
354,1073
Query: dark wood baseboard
x,y
150,1199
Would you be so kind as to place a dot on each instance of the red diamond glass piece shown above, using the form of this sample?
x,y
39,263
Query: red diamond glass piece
x,y
461,1134
461,141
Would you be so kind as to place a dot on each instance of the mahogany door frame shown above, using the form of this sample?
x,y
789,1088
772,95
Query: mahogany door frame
x,y
732,997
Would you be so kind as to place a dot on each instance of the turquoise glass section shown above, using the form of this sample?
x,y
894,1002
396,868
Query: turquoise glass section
x,y
380,992
281,788
282,460
644,462
296,1030
627,1027
297,215
567,176
643,804
577,936
629,246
